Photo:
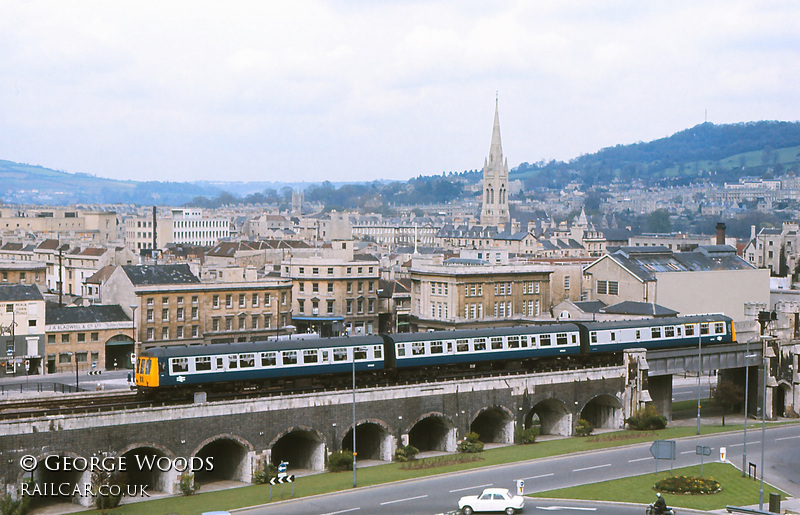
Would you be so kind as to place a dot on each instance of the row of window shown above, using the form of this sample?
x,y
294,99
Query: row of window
x,y
315,270
329,286
242,298
438,288
80,357
271,359
494,343
65,337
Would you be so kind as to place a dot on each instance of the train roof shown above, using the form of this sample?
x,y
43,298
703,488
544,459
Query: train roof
x,y
485,333
263,346
655,322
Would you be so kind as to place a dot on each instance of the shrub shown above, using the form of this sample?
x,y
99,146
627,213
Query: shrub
x,y
584,428
262,477
187,484
405,453
689,485
470,444
526,436
340,460
11,506
106,478
646,419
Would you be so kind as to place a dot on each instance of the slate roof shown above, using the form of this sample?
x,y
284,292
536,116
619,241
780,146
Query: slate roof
x,y
19,292
590,306
364,257
639,308
49,244
509,236
645,262
616,234
101,275
85,315
145,275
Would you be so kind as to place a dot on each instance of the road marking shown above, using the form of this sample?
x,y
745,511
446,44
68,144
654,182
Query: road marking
x,y
537,477
470,488
342,511
592,468
639,459
689,452
787,438
559,508
404,500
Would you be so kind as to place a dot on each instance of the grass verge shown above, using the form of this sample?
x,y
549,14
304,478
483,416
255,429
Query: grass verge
x,y
736,490
331,482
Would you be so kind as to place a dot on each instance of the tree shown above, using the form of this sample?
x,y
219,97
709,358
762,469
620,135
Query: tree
x,y
728,395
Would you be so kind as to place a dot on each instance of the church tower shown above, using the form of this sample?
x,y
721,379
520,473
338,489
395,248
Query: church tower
x,y
495,181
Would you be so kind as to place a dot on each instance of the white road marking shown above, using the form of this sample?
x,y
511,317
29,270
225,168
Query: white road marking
x,y
592,468
537,477
404,500
342,511
559,508
787,438
639,459
470,488
689,452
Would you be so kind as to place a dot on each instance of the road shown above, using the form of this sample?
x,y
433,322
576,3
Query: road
x,y
440,494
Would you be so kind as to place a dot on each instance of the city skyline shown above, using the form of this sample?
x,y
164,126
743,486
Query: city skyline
x,y
354,91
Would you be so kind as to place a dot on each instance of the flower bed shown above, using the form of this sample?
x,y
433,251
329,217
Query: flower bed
x,y
689,485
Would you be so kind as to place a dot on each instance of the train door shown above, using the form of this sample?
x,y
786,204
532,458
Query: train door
x,y
219,364
449,346
325,355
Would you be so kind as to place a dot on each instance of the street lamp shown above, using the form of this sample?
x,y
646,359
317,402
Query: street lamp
x,y
75,355
747,357
763,431
354,417
133,328
699,368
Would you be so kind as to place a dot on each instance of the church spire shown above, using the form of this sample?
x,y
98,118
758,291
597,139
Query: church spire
x,y
494,211
496,148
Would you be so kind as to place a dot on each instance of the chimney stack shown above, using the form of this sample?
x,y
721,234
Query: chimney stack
x,y
720,233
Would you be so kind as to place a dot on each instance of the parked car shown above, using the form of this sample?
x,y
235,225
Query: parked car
x,y
491,499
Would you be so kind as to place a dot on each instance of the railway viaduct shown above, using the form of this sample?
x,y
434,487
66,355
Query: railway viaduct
x,y
302,429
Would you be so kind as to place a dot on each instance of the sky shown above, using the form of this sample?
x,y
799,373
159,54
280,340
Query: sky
x,y
362,90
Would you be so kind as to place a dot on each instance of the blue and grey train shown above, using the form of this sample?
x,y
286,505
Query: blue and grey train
x,y
331,360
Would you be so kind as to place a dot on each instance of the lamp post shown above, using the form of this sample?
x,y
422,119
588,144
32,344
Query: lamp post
x,y
133,328
746,387
699,368
354,417
763,432
75,356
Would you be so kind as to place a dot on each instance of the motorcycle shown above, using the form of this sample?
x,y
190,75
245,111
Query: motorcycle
x,y
651,510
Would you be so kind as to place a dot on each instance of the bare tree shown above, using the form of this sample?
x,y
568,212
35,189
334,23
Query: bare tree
x,y
728,395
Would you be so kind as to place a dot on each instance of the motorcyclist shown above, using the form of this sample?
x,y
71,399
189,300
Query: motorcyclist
x,y
660,506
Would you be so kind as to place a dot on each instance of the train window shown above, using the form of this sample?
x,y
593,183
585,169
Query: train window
x,y
462,345
638,334
574,339
233,361
437,348
179,365
513,342
544,340
561,338
359,353
678,330
480,344
340,354
523,341
418,348
138,366
719,327
593,336
612,336
689,329
310,356
289,357
401,349
655,332
449,347
377,351
497,342
220,363
202,363
268,359
247,360
704,328
147,367
669,332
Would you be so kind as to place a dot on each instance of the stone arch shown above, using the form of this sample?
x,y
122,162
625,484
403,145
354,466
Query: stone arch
x,y
142,468
117,350
782,399
494,424
42,475
432,431
373,440
230,455
603,411
302,447
553,415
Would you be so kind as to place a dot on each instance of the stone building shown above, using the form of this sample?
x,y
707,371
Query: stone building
x,y
88,338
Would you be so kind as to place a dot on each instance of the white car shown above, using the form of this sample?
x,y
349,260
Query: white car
x,y
491,499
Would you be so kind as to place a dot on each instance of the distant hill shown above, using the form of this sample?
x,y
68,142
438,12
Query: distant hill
x,y
717,153
706,152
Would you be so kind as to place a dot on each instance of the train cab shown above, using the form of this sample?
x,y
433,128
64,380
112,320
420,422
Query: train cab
x,y
146,372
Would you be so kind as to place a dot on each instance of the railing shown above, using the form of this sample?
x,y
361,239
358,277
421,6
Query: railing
x,y
38,387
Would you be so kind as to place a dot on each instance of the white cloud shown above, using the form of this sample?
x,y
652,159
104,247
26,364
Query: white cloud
x,y
360,90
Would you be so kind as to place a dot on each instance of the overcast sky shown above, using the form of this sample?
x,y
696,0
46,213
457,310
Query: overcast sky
x,y
362,90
